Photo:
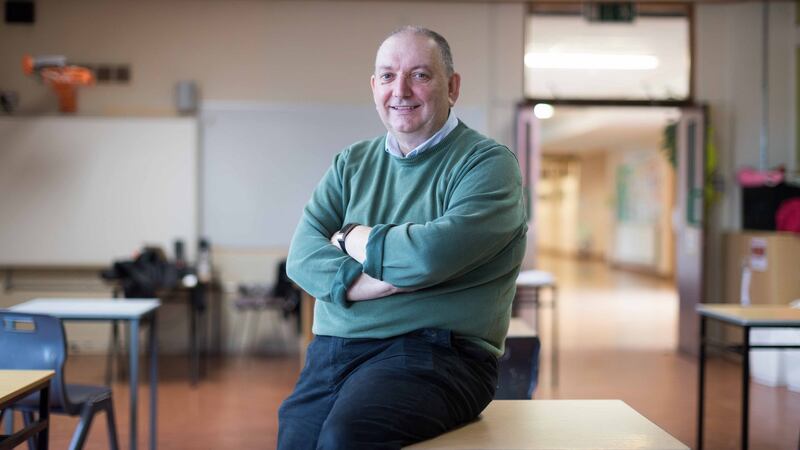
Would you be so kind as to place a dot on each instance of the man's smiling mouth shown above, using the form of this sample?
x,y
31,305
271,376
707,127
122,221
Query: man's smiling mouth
x,y
404,108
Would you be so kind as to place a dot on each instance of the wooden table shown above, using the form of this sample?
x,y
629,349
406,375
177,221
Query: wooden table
x,y
556,425
134,311
16,385
746,317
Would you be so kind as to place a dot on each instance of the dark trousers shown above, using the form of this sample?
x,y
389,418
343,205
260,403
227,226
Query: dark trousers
x,y
385,393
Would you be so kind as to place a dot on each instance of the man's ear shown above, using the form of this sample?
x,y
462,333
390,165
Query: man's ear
x,y
453,88
372,82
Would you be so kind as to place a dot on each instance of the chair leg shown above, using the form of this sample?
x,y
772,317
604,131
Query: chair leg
x,y
27,419
9,421
79,437
112,426
256,318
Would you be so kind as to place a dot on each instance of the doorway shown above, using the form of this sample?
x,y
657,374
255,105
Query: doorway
x,y
620,185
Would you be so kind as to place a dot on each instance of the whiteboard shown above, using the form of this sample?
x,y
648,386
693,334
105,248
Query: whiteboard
x,y
87,190
262,161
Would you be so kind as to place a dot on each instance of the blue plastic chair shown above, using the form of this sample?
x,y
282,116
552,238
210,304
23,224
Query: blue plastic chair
x,y
38,342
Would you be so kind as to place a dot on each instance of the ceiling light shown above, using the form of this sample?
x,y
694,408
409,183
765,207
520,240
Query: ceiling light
x,y
590,61
543,111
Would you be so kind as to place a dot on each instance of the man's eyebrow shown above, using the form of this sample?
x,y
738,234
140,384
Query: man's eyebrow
x,y
421,66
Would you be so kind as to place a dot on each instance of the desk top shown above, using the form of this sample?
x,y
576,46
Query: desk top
x,y
89,308
519,328
535,278
557,424
754,315
15,382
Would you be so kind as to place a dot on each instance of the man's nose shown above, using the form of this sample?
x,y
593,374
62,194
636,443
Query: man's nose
x,y
401,87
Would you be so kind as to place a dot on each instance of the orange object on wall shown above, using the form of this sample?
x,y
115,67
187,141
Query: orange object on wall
x,y
64,79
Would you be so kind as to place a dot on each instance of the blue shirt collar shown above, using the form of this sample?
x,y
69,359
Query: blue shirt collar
x,y
393,148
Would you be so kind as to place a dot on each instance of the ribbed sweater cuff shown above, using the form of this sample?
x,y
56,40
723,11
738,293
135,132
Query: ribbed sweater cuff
x,y
373,265
345,277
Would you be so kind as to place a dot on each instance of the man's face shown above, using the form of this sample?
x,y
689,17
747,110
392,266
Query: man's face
x,y
411,89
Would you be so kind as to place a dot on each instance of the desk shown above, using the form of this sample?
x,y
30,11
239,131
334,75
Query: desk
x,y
18,384
109,309
746,317
199,299
556,425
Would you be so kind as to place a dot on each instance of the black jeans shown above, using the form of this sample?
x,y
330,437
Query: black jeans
x,y
385,393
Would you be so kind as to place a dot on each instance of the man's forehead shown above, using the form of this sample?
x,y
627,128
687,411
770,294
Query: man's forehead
x,y
407,47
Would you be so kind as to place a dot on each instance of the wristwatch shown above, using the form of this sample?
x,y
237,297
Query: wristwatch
x,y
341,235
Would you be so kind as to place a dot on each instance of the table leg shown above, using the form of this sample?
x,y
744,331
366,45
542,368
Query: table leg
x,y
745,386
133,379
701,370
153,379
554,331
43,439
193,355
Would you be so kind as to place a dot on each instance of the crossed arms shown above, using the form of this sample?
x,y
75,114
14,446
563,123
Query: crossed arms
x,y
483,214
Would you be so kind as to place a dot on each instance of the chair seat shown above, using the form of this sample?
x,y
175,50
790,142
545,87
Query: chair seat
x,y
78,395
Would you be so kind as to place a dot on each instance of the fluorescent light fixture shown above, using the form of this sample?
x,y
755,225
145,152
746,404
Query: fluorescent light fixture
x,y
590,61
543,111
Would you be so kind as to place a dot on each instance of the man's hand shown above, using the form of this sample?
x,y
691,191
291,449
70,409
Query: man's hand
x,y
367,288
355,243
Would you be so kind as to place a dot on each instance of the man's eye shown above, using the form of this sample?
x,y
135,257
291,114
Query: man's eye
x,y
386,76
421,76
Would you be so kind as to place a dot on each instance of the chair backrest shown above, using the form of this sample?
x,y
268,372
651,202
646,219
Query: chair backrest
x,y
35,342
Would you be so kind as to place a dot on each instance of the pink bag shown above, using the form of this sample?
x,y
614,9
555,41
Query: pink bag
x,y
750,177
788,216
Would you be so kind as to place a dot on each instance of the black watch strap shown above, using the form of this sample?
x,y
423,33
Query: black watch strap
x,y
342,235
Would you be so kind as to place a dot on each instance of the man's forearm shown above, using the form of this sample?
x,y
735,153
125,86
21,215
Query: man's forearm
x,y
367,288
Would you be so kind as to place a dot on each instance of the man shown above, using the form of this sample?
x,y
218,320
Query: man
x,y
411,244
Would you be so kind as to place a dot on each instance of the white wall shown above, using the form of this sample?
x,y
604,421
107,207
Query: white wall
x,y
596,207
557,196
646,241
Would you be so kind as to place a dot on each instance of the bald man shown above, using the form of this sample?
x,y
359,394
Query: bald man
x,y
411,244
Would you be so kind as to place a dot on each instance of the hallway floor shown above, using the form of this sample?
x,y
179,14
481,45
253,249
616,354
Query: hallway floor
x,y
618,335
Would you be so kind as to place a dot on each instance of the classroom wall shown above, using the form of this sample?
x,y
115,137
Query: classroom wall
x,y
259,51
728,45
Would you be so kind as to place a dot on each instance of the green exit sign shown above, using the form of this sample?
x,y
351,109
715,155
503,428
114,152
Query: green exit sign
x,y
610,12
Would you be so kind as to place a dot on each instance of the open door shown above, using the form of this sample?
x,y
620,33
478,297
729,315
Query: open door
x,y
689,223
529,155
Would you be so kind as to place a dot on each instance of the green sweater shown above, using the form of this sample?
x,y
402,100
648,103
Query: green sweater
x,y
449,223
